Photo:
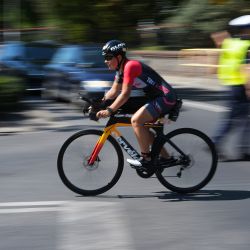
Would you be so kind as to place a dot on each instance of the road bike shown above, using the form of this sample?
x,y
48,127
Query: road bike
x,y
91,161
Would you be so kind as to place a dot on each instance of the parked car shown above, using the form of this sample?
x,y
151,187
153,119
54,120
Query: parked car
x,y
27,60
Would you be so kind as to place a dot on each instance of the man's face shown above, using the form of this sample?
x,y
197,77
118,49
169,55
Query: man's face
x,y
112,61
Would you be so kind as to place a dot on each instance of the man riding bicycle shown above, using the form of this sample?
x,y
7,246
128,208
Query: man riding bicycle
x,y
132,73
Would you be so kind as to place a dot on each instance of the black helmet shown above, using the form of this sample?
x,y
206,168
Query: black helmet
x,y
114,48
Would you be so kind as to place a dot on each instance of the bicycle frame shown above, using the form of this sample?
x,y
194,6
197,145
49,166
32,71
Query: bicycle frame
x,y
116,121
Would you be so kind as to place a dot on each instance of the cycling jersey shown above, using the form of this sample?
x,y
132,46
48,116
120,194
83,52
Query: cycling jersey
x,y
141,76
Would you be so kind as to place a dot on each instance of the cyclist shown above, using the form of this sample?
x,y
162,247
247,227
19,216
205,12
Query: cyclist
x,y
133,73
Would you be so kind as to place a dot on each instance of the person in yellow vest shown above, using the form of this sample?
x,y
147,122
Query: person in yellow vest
x,y
234,72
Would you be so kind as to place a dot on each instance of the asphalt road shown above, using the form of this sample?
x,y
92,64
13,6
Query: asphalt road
x,y
38,212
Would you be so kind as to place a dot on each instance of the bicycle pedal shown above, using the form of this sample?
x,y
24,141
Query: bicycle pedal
x,y
140,168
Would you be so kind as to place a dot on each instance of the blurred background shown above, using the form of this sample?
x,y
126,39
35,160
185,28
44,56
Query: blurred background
x,y
52,48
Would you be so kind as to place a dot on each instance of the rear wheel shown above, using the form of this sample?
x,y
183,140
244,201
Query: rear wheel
x,y
196,161
81,177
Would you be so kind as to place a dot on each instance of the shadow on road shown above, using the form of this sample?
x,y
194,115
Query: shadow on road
x,y
207,195
203,195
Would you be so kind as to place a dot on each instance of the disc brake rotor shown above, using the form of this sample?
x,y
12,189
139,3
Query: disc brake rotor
x,y
89,167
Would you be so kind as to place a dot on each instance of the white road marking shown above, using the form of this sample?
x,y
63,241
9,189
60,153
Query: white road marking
x,y
29,207
32,203
28,210
204,106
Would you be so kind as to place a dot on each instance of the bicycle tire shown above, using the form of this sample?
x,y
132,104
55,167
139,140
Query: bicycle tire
x,y
71,170
199,148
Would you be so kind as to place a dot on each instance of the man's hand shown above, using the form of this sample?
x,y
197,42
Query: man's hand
x,y
103,114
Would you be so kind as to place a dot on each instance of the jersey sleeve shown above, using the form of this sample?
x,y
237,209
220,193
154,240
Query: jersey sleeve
x,y
132,70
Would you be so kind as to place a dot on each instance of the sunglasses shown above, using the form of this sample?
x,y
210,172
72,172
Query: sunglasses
x,y
108,57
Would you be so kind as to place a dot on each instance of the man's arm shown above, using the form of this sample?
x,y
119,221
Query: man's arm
x,y
113,92
119,101
122,97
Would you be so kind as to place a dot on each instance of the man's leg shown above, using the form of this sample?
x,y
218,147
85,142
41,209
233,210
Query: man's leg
x,y
144,137
244,146
228,123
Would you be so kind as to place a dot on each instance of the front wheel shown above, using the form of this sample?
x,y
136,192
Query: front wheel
x,y
195,161
84,178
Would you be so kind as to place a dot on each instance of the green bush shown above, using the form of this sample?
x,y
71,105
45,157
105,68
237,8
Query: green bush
x,y
11,91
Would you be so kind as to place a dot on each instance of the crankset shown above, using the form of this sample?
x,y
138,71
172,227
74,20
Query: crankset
x,y
145,173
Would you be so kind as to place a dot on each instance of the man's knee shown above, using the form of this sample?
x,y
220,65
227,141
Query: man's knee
x,y
135,121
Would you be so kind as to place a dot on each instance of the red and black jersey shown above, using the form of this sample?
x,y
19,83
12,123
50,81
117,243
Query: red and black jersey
x,y
141,76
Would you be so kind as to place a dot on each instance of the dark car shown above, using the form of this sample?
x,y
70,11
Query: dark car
x,y
27,60
77,69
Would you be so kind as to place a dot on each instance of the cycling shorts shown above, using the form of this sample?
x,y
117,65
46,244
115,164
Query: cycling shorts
x,y
160,106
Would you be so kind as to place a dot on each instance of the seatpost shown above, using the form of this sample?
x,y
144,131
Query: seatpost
x,y
159,139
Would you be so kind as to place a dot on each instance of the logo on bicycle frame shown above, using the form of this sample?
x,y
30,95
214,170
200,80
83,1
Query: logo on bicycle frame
x,y
127,148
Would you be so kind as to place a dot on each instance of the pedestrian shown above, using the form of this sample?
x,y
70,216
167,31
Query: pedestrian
x,y
234,72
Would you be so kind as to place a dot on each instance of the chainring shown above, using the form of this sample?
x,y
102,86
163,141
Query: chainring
x,y
145,173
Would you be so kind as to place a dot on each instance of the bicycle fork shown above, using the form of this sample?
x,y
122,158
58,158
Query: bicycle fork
x,y
98,146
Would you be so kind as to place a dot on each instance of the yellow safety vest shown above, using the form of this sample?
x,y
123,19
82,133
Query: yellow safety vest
x,y
233,54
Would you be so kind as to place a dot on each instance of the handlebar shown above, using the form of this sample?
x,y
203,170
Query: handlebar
x,y
95,105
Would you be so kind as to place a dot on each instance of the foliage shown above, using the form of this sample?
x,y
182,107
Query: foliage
x,y
195,20
99,20
11,91
183,23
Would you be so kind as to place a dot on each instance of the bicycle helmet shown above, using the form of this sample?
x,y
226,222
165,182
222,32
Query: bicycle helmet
x,y
114,48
